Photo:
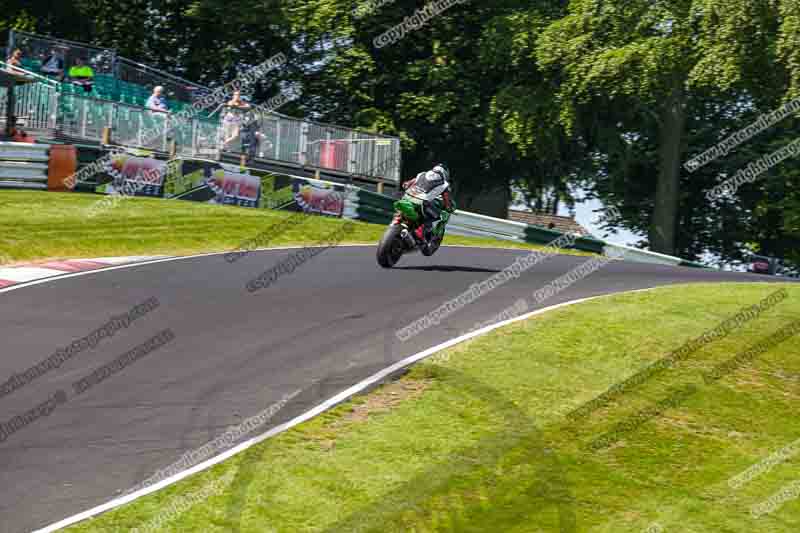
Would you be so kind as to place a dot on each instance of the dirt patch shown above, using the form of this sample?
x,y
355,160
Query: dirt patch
x,y
385,398
379,401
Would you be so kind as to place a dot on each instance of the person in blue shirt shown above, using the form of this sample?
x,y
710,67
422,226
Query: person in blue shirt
x,y
157,102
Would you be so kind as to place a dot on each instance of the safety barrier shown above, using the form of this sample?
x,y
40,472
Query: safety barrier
x,y
475,225
646,256
377,209
24,166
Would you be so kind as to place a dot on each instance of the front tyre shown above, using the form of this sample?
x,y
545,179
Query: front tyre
x,y
390,249
431,248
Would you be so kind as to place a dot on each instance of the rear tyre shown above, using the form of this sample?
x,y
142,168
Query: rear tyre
x,y
390,249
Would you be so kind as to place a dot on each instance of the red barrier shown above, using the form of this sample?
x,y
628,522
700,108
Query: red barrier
x,y
63,164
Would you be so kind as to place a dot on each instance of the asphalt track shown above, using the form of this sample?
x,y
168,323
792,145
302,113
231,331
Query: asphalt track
x,y
321,329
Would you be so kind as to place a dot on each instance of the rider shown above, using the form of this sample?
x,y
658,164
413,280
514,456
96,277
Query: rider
x,y
432,190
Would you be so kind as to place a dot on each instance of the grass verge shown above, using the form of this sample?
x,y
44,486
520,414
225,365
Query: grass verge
x,y
55,226
477,438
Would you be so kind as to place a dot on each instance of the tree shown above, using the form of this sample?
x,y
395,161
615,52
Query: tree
x,y
433,88
639,66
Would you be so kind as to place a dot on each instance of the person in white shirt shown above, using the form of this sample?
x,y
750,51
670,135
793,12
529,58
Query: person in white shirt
x,y
232,120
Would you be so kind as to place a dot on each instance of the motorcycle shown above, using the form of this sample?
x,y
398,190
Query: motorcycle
x,y
405,233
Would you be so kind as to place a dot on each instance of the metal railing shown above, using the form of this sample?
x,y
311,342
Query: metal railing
x,y
35,103
37,48
48,105
86,117
307,143
141,74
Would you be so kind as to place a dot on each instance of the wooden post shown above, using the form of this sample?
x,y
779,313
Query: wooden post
x,y
106,137
380,187
243,160
173,148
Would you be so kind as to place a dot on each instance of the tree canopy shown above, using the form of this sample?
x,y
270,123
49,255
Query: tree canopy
x,y
547,97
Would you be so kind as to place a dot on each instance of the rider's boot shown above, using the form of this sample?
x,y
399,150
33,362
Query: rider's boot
x,y
427,247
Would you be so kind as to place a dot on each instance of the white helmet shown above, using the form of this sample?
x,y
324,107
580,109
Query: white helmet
x,y
441,169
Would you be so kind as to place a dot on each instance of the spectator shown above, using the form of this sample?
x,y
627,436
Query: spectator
x,y
237,102
82,75
262,143
251,139
232,121
54,64
15,60
21,136
157,102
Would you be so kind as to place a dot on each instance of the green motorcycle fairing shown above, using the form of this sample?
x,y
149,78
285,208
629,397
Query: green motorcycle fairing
x,y
409,209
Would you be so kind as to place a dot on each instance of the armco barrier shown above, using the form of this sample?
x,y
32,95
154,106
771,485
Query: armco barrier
x,y
377,208
538,235
475,225
23,165
646,256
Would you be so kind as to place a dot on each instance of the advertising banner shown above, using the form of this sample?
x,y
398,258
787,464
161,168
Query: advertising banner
x,y
276,190
133,176
216,183
317,197
233,188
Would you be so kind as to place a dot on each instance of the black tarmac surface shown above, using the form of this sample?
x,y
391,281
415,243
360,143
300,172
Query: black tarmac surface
x,y
320,329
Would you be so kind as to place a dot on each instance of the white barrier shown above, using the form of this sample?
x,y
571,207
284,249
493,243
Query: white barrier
x,y
474,225
24,166
24,152
643,256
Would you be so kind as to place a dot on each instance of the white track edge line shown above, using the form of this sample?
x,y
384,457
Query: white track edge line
x,y
324,406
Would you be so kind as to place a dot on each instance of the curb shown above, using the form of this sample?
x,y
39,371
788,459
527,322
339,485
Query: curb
x,y
23,273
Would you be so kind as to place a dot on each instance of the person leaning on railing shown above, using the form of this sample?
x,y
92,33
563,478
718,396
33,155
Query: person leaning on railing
x,y
15,60
82,75
157,102
232,121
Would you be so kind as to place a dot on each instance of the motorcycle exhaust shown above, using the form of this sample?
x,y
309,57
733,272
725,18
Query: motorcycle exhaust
x,y
408,240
